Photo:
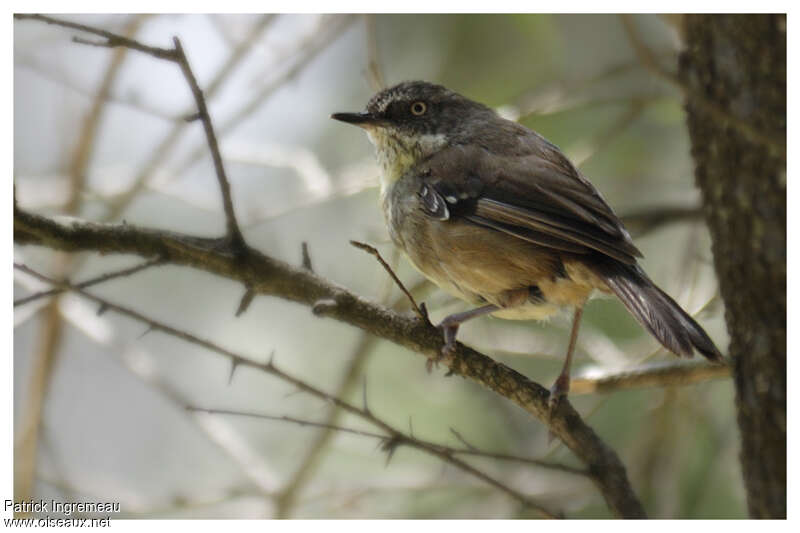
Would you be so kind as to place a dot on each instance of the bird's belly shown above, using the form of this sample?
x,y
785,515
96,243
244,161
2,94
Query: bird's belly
x,y
528,311
482,267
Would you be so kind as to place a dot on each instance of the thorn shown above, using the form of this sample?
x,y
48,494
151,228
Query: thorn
x,y
306,257
271,359
323,307
234,364
462,439
192,117
102,308
145,332
364,393
390,445
246,300
410,426
424,310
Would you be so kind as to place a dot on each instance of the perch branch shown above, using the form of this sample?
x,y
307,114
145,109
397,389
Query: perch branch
x,y
270,276
390,442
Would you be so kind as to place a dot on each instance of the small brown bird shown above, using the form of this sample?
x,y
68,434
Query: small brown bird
x,y
496,215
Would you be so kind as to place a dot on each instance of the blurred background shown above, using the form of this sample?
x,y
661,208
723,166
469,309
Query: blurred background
x,y
100,409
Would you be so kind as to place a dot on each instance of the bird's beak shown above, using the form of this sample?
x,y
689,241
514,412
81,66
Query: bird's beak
x,y
362,120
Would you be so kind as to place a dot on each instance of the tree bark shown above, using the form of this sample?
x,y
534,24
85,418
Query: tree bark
x,y
734,72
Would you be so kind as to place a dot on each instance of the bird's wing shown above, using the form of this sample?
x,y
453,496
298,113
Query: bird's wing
x,y
540,198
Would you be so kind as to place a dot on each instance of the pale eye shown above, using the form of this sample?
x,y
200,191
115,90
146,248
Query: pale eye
x,y
418,108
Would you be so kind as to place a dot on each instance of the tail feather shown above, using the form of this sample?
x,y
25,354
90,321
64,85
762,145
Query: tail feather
x,y
657,312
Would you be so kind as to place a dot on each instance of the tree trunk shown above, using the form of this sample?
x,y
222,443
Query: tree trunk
x,y
734,70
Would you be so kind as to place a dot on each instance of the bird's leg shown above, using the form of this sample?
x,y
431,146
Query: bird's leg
x,y
451,323
561,387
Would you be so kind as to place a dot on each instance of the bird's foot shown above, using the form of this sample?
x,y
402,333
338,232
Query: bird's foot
x,y
558,391
449,329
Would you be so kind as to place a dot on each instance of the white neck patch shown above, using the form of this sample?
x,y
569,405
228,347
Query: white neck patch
x,y
397,152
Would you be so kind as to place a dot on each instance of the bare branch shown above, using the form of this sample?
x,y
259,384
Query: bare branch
x,y
287,496
111,39
394,439
89,282
309,50
233,231
372,251
273,277
171,139
667,375
175,55
229,258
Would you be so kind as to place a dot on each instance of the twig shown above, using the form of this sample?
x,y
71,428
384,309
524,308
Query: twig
x,y
396,438
111,39
270,276
233,232
89,282
405,438
306,257
231,443
273,277
175,55
161,152
725,116
374,71
654,376
372,251
315,45
311,459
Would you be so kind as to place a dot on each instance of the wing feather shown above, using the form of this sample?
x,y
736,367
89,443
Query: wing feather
x,y
542,200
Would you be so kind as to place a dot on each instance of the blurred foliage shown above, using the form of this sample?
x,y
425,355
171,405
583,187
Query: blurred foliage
x,y
112,436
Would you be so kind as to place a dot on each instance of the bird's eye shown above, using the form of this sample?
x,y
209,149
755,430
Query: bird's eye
x,y
418,108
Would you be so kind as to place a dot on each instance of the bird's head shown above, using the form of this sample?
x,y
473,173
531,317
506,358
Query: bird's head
x,y
415,119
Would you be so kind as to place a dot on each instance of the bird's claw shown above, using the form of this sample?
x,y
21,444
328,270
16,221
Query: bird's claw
x,y
558,391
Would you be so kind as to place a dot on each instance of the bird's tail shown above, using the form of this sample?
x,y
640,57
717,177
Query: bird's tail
x,y
656,311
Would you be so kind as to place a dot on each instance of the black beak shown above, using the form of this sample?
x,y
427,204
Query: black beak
x,y
362,120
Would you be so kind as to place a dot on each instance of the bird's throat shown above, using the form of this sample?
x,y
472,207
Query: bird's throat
x,y
398,153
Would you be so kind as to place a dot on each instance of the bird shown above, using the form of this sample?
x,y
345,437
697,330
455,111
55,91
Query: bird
x,y
496,215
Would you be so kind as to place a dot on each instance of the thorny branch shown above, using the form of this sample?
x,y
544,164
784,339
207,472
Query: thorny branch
x,y
177,56
267,275
233,231
163,149
285,499
398,436
390,442
230,257
89,282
